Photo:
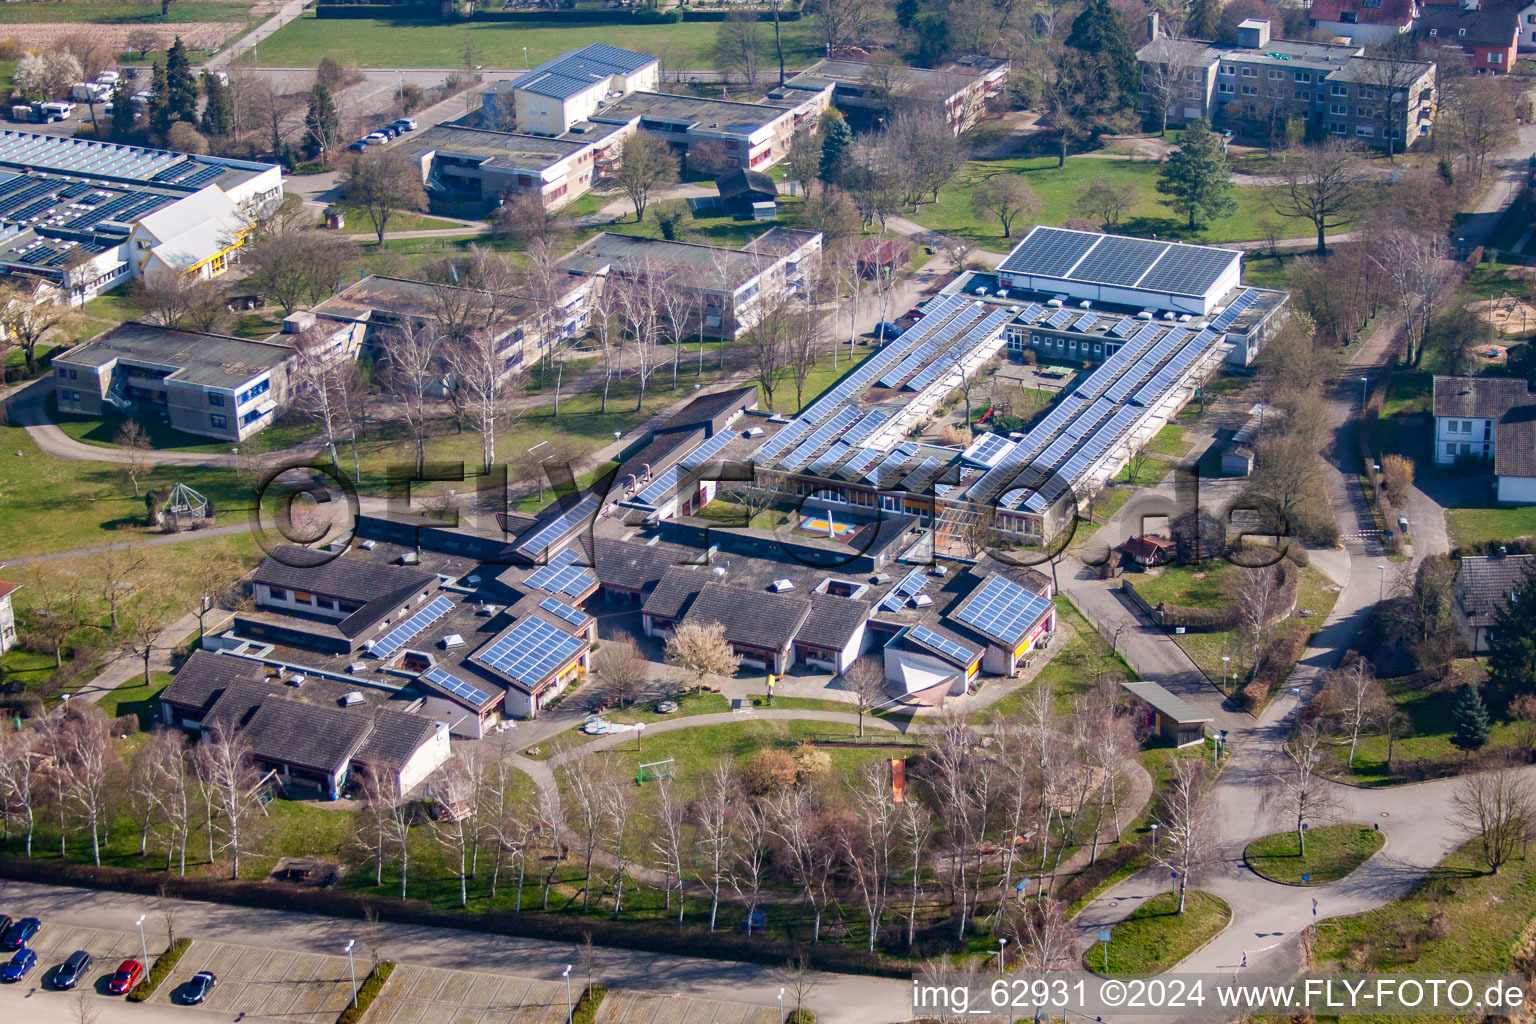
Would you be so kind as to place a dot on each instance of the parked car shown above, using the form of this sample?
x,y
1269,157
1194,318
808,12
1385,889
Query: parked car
x,y
406,124
68,974
390,131
5,924
376,139
358,146
57,111
18,966
886,330
125,977
198,988
20,933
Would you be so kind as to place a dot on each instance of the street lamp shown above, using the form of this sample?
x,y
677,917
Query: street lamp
x,y
1381,583
143,946
1002,960
1365,385
1224,660
1154,837
525,56
570,1010
347,949
781,1006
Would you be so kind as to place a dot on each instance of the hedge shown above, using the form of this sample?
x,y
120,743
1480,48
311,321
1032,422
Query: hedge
x,y
367,992
431,12
165,963
587,1006
1283,653
650,937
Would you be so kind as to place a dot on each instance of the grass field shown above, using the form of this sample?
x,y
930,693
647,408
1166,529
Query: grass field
x,y
1070,671
1057,188
1458,918
416,44
1156,936
1333,851
1476,525
130,12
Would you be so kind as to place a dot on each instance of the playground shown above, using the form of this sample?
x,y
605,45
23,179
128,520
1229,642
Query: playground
x,y
827,526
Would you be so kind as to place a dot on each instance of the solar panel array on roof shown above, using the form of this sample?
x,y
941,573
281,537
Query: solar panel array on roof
x,y
529,651
659,488
401,634
1085,323
889,464
1155,388
844,419
1124,327
542,537
942,644
1048,252
980,334
829,458
1239,306
561,575
1118,260
986,450
940,340
562,610
1002,610
871,422
910,584
82,156
920,475
1186,269
1058,319
471,695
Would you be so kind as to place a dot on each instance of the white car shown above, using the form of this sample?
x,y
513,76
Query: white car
x,y
376,139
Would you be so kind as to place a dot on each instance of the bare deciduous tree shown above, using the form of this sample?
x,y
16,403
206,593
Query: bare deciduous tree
x,y
1322,184
413,371
1498,810
383,182
456,785
623,670
225,765
1292,782
712,816
1186,839
702,651
1353,698
865,680
20,787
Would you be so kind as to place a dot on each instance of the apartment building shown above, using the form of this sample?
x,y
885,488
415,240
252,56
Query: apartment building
x,y
962,90
1256,85
207,384
1489,418
469,171
1488,38
1369,22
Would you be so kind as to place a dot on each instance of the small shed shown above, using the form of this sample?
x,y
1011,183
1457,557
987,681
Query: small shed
x,y
1149,549
1167,714
741,192
882,256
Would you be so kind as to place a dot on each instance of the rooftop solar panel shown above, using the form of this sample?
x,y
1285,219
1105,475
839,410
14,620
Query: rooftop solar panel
x,y
942,644
986,450
402,634
1058,319
871,422
919,476
1049,252
537,541
1118,260
664,484
1238,307
471,695
1124,327
826,432
979,334
860,462
895,458
910,584
1085,322
1002,609
562,575
559,608
1187,269
941,338
529,651
829,458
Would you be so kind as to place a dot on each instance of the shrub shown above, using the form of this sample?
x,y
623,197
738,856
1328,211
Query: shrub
x,y
1277,663
367,992
21,705
811,761
801,1016
164,964
124,725
771,771
1397,475
585,1011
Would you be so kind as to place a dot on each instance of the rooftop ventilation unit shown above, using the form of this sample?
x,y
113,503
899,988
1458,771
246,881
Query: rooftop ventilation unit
x,y
1053,303
488,609
351,699
756,431
357,666
779,586
452,640
410,558
718,570
369,545
922,601
297,679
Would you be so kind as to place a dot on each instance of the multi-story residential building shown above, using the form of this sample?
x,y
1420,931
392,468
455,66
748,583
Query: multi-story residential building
x,y
1489,418
1369,22
206,384
1488,38
1258,84
962,90
468,171
568,89
732,286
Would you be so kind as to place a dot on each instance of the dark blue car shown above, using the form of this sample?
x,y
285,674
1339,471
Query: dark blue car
x,y
19,934
18,966
886,330
196,990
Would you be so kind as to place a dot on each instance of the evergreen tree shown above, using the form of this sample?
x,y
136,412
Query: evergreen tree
x,y
906,12
180,86
1100,32
322,124
216,123
1195,177
1204,19
122,110
159,111
1469,729
1512,640
836,141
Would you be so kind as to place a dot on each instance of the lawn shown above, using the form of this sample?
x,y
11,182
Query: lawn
x,y
1071,670
1170,440
1458,918
1057,188
1156,936
390,43
1151,473
1333,851
401,220
1468,526
22,12
136,698
1427,736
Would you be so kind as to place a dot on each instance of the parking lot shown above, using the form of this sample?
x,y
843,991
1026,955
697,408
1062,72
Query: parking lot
x,y
313,988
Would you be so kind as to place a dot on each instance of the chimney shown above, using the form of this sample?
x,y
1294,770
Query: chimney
x,y
1152,26
1253,33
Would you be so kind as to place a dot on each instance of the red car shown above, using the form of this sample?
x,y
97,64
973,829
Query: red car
x,y
125,977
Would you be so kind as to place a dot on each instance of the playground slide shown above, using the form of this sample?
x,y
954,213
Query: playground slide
x,y
898,780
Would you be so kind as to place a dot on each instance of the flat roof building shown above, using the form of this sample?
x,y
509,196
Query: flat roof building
x,y
961,91
468,170
207,384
